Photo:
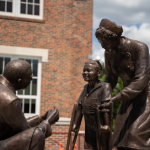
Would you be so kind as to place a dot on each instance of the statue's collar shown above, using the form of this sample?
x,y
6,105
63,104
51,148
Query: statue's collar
x,y
6,83
96,87
124,44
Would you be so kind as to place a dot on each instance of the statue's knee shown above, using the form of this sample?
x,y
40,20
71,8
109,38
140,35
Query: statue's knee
x,y
39,135
38,140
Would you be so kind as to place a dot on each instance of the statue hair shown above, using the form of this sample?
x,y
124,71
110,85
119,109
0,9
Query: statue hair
x,y
96,63
102,32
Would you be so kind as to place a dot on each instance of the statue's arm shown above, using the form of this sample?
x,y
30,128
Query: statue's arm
x,y
140,79
78,118
34,121
105,97
110,76
14,117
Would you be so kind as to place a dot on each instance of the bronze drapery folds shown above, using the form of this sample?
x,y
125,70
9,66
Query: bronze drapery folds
x,y
17,132
129,60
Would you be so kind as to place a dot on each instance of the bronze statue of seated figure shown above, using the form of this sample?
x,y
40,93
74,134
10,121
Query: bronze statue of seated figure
x,y
17,132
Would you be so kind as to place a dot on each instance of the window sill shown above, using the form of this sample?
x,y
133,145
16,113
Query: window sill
x,y
21,19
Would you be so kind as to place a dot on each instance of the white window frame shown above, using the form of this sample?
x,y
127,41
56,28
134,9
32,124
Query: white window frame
x,y
32,53
16,11
38,96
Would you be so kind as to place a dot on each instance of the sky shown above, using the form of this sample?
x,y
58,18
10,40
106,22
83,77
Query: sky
x,y
132,15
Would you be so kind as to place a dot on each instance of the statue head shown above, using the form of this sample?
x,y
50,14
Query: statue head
x,y
18,73
92,70
108,33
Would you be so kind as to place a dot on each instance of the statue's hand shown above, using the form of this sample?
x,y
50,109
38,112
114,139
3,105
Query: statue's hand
x,y
105,105
105,129
43,117
52,116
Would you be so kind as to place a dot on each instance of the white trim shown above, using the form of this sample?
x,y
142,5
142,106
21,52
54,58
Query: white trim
x,y
16,11
24,51
82,132
39,86
63,121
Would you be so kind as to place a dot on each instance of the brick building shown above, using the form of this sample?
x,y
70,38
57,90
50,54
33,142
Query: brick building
x,y
55,36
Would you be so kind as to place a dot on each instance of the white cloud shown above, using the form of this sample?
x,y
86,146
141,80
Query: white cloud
x,y
141,34
98,50
123,12
133,32
129,14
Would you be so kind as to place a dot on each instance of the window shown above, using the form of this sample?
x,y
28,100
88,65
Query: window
x,y
22,8
30,97
30,7
6,5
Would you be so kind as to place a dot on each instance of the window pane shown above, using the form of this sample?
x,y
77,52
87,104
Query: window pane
x,y
7,60
27,91
33,104
30,9
29,61
2,6
20,92
30,1
36,10
26,105
23,0
9,6
37,1
23,8
34,87
1,65
35,67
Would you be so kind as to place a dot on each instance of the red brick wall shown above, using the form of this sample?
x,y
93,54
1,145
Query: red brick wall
x,y
66,32
59,135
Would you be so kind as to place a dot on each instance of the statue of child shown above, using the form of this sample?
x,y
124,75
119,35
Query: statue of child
x,y
94,94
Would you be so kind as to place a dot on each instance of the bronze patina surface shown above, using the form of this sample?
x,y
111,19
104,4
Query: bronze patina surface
x,y
97,129
129,60
17,132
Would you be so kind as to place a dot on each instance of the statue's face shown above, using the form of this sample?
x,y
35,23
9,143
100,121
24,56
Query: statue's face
x,y
106,43
90,73
25,81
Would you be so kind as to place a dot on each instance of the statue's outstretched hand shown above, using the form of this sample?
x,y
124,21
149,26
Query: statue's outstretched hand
x,y
53,116
43,117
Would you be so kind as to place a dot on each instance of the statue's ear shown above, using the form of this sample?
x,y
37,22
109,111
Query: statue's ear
x,y
99,73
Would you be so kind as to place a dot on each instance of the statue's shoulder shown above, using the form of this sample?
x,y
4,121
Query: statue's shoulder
x,y
6,95
135,44
105,84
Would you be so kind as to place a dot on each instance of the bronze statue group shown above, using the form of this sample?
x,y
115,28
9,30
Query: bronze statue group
x,y
124,58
